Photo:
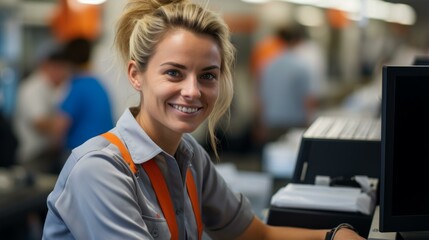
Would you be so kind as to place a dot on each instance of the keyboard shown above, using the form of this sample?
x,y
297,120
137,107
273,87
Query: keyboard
x,y
345,128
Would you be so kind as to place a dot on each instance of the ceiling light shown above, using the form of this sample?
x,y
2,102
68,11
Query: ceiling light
x,y
93,2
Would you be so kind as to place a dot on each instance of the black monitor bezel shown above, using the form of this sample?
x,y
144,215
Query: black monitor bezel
x,y
388,221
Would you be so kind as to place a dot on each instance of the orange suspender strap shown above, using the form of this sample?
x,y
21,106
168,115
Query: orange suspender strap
x,y
124,151
192,192
163,196
161,190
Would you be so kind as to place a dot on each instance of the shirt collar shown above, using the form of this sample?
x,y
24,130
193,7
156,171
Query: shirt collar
x,y
141,146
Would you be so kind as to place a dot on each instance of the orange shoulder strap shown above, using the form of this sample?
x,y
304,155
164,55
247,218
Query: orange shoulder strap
x,y
193,195
161,189
163,196
124,151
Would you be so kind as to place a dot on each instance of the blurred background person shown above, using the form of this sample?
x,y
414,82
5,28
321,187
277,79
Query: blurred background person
x,y
37,99
286,97
296,36
85,111
8,84
262,54
314,57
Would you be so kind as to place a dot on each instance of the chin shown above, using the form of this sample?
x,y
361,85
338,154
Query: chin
x,y
185,129
188,130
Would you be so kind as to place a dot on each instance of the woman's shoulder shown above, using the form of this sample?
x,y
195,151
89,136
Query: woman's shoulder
x,y
95,156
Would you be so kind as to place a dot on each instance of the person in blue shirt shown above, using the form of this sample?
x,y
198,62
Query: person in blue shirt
x,y
287,100
86,109
148,178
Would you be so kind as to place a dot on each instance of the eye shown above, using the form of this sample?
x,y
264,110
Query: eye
x,y
173,73
208,76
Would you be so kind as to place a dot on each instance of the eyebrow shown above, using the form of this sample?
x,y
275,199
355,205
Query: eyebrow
x,y
183,67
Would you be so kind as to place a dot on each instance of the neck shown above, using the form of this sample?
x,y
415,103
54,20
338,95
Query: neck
x,y
166,140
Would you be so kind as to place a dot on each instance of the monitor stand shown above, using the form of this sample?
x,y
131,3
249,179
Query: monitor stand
x,y
374,232
424,235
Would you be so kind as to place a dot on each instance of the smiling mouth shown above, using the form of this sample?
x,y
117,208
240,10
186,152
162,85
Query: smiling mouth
x,y
185,109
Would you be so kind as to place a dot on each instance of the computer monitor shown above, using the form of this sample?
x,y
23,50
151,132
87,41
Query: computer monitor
x,y
421,60
404,181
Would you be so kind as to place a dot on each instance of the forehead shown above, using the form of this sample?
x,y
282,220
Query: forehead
x,y
184,45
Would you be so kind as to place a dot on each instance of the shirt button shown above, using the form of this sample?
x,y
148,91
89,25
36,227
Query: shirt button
x,y
155,232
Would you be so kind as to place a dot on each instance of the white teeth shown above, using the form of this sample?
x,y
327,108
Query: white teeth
x,y
185,109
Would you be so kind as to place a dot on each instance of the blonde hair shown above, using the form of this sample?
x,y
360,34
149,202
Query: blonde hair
x,y
145,22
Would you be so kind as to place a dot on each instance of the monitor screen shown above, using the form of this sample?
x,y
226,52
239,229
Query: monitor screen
x,y
404,182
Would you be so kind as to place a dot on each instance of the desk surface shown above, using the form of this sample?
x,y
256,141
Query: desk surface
x,y
374,231
17,202
318,219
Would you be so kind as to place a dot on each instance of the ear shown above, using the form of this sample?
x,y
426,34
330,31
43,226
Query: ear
x,y
134,75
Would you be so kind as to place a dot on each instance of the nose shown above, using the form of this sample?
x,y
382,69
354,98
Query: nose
x,y
191,88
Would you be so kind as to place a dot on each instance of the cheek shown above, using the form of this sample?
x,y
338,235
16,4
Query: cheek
x,y
153,94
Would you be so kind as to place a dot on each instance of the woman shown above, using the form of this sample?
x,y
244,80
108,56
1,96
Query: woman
x,y
148,178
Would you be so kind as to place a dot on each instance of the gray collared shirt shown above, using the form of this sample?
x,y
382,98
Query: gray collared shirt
x,y
98,197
